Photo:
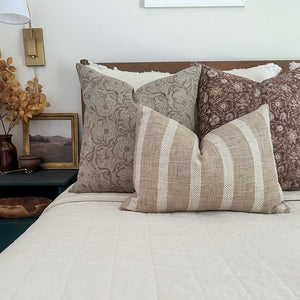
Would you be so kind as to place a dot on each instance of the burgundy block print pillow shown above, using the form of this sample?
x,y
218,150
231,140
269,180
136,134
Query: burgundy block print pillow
x,y
223,97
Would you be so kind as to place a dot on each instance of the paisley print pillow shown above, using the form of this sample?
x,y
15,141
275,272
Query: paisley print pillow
x,y
223,97
106,158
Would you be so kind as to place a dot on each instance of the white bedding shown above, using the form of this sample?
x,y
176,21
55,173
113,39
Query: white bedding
x,y
84,247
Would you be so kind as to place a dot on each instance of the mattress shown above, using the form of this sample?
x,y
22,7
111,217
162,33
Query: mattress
x,y
84,247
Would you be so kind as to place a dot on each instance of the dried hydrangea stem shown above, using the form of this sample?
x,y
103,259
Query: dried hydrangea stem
x,y
1,118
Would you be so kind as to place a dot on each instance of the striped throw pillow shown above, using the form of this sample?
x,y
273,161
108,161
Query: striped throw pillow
x,y
234,168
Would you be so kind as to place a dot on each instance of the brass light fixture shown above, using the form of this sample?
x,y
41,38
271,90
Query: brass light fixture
x,y
17,12
34,46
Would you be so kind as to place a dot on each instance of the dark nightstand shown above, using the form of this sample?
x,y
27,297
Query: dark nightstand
x,y
43,183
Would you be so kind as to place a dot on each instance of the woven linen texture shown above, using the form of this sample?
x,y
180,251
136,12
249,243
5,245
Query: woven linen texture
x,y
233,169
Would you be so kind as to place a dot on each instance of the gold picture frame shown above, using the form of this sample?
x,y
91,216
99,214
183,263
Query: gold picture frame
x,y
56,144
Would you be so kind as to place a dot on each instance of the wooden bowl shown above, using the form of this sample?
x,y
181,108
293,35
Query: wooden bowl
x,y
29,162
22,207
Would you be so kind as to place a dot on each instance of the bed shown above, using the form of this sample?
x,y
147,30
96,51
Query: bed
x,y
84,247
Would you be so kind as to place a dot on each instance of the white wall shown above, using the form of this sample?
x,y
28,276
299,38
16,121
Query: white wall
x,y
122,30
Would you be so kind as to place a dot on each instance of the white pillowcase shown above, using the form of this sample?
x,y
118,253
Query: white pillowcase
x,y
291,195
258,73
294,65
138,79
135,79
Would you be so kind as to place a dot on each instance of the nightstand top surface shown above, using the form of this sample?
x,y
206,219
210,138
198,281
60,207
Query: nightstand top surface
x,y
41,177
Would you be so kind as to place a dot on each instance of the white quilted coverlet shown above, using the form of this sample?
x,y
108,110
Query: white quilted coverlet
x,y
84,247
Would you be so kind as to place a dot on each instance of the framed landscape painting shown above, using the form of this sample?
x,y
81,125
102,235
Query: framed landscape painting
x,y
54,138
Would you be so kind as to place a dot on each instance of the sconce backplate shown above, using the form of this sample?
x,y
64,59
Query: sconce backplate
x,y
39,58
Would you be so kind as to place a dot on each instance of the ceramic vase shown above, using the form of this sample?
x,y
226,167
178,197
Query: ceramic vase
x,y
8,153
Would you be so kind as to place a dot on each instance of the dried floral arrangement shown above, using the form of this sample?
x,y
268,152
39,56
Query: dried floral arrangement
x,y
17,104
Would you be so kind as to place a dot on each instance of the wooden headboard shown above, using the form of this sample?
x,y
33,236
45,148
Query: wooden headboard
x,y
173,67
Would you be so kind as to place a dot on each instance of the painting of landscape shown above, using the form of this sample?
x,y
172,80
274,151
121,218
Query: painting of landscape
x,y
51,148
51,140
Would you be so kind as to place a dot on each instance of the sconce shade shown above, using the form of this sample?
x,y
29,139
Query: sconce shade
x,y
14,12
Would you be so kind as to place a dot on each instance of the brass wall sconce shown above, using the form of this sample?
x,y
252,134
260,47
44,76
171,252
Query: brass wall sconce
x,y
34,46
17,12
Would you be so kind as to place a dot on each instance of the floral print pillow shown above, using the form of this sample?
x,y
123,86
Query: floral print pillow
x,y
223,97
108,140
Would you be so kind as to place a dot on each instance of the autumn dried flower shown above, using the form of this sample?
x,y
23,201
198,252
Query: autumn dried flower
x,y
17,104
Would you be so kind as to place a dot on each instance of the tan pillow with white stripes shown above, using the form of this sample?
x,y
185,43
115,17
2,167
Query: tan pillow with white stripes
x,y
234,169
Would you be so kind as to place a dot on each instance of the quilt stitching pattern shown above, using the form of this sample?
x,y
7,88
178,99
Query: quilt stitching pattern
x,y
31,266
76,255
275,235
205,248
293,208
151,253
260,258
187,257
223,258
114,255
